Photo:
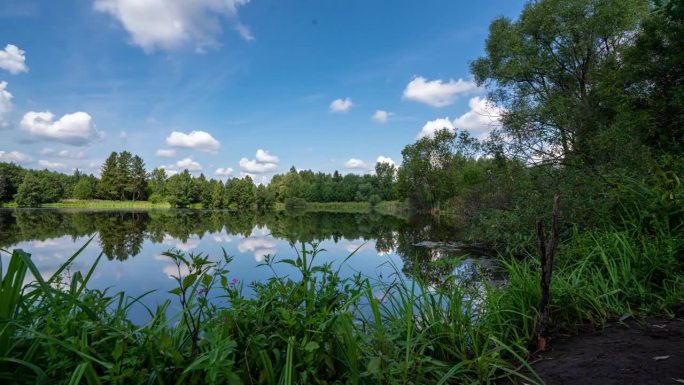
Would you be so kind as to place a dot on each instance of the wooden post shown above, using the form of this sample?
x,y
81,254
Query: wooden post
x,y
546,252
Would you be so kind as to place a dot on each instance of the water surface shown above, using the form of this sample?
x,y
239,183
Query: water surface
x,y
132,243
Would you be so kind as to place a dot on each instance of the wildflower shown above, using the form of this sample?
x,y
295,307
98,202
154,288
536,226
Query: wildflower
x,y
234,281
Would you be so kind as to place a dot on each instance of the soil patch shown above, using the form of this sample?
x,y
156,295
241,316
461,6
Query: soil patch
x,y
646,353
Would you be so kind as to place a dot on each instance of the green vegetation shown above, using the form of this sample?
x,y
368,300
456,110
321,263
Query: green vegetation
x,y
592,108
101,204
318,327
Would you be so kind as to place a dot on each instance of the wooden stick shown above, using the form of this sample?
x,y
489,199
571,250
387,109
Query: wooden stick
x,y
546,253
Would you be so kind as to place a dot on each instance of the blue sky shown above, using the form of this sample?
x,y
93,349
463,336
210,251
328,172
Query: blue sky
x,y
211,82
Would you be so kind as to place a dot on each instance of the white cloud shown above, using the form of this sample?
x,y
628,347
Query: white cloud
x,y
173,271
188,164
244,31
341,105
386,159
167,25
483,116
76,129
51,165
381,116
15,156
356,164
433,126
6,106
263,163
198,140
166,153
262,156
12,59
123,135
260,246
256,167
71,155
221,171
169,169
437,93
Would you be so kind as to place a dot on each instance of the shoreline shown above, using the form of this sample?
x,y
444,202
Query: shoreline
x,y
394,208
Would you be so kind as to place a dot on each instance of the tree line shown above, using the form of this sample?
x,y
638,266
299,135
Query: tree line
x,y
124,178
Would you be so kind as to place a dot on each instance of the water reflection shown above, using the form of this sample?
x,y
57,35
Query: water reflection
x,y
133,241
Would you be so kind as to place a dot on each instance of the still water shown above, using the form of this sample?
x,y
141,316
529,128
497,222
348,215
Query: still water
x,y
132,243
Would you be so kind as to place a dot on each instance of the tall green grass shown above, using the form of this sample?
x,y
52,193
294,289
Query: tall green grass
x,y
317,327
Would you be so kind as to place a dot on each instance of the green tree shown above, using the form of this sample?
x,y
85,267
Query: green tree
x,y
124,182
11,177
108,180
545,70
157,183
138,179
39,187
85,188
181,189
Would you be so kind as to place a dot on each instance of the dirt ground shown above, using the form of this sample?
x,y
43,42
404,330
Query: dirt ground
x,y
646,353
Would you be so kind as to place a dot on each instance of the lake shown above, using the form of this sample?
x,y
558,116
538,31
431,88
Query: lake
x,y
132,243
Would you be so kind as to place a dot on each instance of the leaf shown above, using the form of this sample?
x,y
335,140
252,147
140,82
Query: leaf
x,y
118,350
206,280
189,280
224,281
311,346
660,358
175,291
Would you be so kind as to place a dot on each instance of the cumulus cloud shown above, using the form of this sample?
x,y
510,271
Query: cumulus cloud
x,y
259,245
381,116
12,59
354,163
263,163
188,164
51,165
255,167
385,159
221,171
197,140
14,156
479,120
6,106
169,169
341,105
437,93
482,117
262,156
433,126
166,153
168,25
76,129
123,135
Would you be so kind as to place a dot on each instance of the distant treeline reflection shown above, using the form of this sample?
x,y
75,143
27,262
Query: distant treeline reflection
x,y
122,233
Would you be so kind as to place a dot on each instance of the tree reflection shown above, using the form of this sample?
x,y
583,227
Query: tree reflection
x,y
121,233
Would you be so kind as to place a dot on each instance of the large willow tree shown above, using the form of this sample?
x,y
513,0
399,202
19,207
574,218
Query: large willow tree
x,y
548,69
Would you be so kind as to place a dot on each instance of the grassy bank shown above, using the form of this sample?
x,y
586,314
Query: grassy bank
x,y
319,327
395,208
388,207
100,204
